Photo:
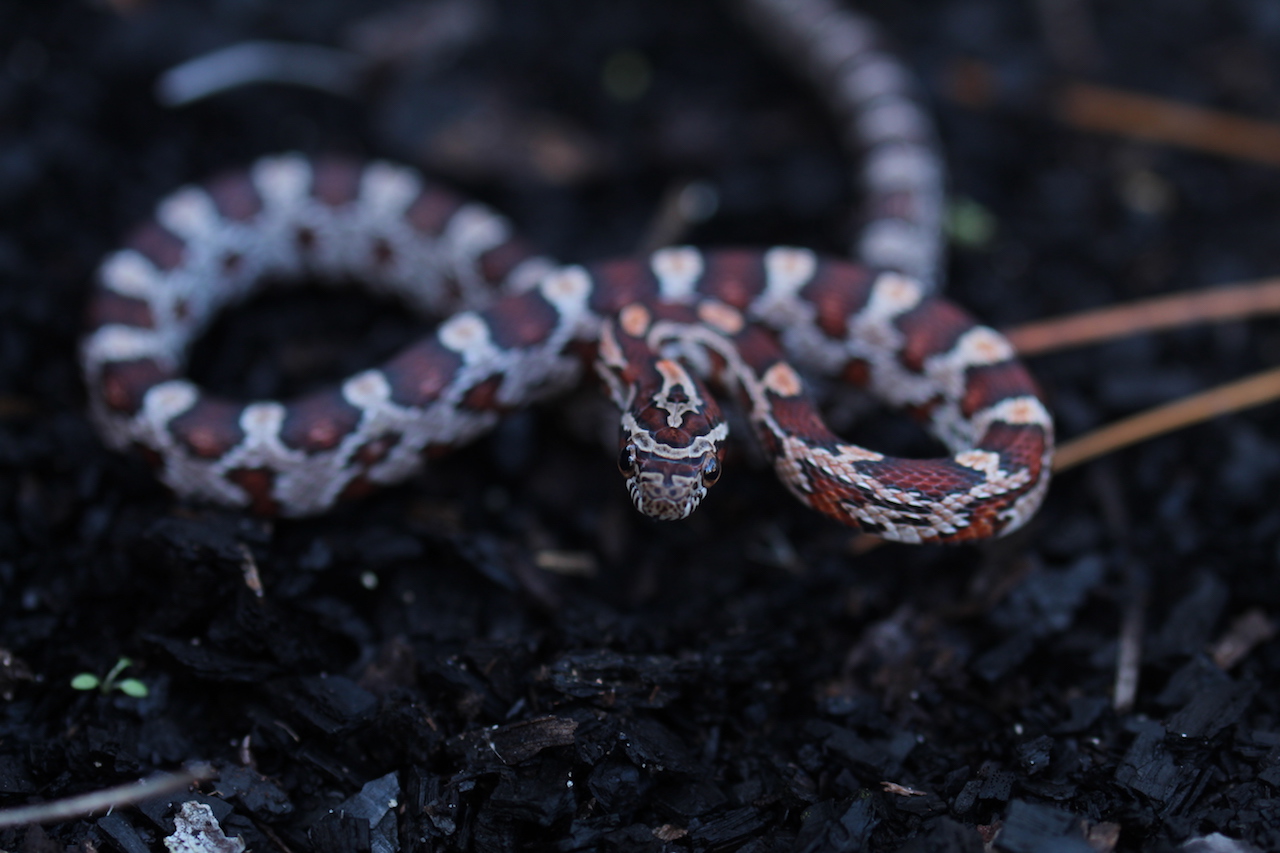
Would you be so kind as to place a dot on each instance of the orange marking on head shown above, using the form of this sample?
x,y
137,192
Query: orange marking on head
x,y
782,380
674,374
634,320
721,316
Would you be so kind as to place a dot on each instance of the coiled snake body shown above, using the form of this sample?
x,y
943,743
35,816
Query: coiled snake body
x,y
659,327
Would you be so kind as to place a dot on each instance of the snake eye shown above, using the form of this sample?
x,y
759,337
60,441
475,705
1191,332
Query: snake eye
x,y
627,460
711,471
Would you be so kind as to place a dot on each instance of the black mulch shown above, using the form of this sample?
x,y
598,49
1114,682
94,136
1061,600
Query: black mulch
x,y
503,653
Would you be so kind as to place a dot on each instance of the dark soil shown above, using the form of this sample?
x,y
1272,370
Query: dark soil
x,y
504,649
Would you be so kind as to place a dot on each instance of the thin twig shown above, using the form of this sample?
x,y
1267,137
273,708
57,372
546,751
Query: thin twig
x,y
1129,649
683,207
1246,632
86,804
1133,115
314,66
1227,302
1233,397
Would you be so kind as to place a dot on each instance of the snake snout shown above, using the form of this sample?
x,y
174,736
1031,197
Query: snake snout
x,y
669,489
666,498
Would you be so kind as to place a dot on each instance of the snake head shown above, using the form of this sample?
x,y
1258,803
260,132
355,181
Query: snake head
x,y
672,444
672,429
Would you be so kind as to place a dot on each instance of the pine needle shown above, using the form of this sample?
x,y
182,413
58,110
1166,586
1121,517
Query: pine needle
x,y
1214,304
1097,108
1243,394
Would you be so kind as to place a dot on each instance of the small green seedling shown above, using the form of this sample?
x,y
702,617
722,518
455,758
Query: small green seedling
x,y
128,686
970,225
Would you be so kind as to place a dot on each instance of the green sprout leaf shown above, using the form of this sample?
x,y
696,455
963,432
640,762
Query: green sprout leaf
x,y
133,687
85,681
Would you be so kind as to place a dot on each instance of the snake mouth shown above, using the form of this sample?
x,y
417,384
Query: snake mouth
x,y
665,510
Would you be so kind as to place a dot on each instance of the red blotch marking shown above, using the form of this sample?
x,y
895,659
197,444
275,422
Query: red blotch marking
x,y
837,289
719,367
931,328
1019,445
798,417
335,182
210,428
922,412
108,308
375,451
649,418
675,437
125,383
432,210
671,311
484,396
828,495
521,321
857,372
770,443
357,487
894,205
497,263
621,283
149,455
933,478
157,244
758,347
418,374
235,196
991,384
305,239
318,422
734,276
693,424
258,483
983,523
383,255
585,351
